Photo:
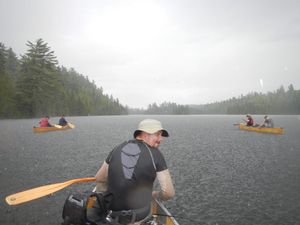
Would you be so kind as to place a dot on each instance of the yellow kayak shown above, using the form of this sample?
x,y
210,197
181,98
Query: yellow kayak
x,y
54,128
273,130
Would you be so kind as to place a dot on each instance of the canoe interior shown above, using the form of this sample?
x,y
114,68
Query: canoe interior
x,y
161,215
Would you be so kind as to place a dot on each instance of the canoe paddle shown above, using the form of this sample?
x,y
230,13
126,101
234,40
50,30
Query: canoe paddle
x,y
31,194
72,126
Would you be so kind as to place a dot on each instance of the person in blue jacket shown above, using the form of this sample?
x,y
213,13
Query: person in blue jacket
x,y
62,121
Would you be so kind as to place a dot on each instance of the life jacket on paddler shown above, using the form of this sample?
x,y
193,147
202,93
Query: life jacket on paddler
x,y
131,175
250,120
44,122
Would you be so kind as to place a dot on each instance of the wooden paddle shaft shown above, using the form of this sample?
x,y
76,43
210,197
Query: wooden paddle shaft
x,y
39,192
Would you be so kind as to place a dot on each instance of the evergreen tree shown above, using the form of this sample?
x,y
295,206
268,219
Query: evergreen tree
x,y
12,64
40,89
2,58
7,91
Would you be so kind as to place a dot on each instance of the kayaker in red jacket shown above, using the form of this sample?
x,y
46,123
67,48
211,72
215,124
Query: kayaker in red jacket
x,y
45,122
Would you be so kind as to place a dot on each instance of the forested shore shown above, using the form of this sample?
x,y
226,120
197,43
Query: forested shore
x,y
279,102
35,86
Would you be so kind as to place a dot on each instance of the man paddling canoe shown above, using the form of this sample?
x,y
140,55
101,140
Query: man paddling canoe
x,y
129,172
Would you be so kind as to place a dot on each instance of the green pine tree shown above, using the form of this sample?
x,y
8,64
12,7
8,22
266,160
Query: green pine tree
x,y
39,85
7,91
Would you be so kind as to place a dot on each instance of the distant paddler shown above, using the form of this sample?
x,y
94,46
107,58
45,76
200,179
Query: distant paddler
x,y
268,122
249,121
44,122
63,122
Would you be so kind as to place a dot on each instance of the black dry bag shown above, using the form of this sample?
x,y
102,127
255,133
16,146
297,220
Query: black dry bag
x,y
86,210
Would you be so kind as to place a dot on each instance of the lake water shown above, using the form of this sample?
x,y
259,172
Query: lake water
x,y
222,175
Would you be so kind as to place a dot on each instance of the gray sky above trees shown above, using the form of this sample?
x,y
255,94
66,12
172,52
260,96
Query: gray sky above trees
x,y
187,52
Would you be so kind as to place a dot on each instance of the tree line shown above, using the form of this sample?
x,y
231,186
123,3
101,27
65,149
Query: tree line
x,y
278,102
35,86
166,108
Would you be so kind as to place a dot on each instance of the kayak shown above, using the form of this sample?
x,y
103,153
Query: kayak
x,y
273,130
54,128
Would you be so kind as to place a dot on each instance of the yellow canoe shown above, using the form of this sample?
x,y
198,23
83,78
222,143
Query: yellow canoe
x,y
273,130
54,128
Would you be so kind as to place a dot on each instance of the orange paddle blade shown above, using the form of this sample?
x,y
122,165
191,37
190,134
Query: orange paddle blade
x,y
31,194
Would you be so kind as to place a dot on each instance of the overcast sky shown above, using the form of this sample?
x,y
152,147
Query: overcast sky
x,y
187,52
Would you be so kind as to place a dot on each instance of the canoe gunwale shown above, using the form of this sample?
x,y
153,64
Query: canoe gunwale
x,y
157,207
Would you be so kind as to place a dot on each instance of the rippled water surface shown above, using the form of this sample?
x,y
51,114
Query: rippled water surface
x,y
222,175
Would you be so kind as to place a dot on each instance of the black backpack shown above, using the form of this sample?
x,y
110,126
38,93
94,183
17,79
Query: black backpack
x,y
92,209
